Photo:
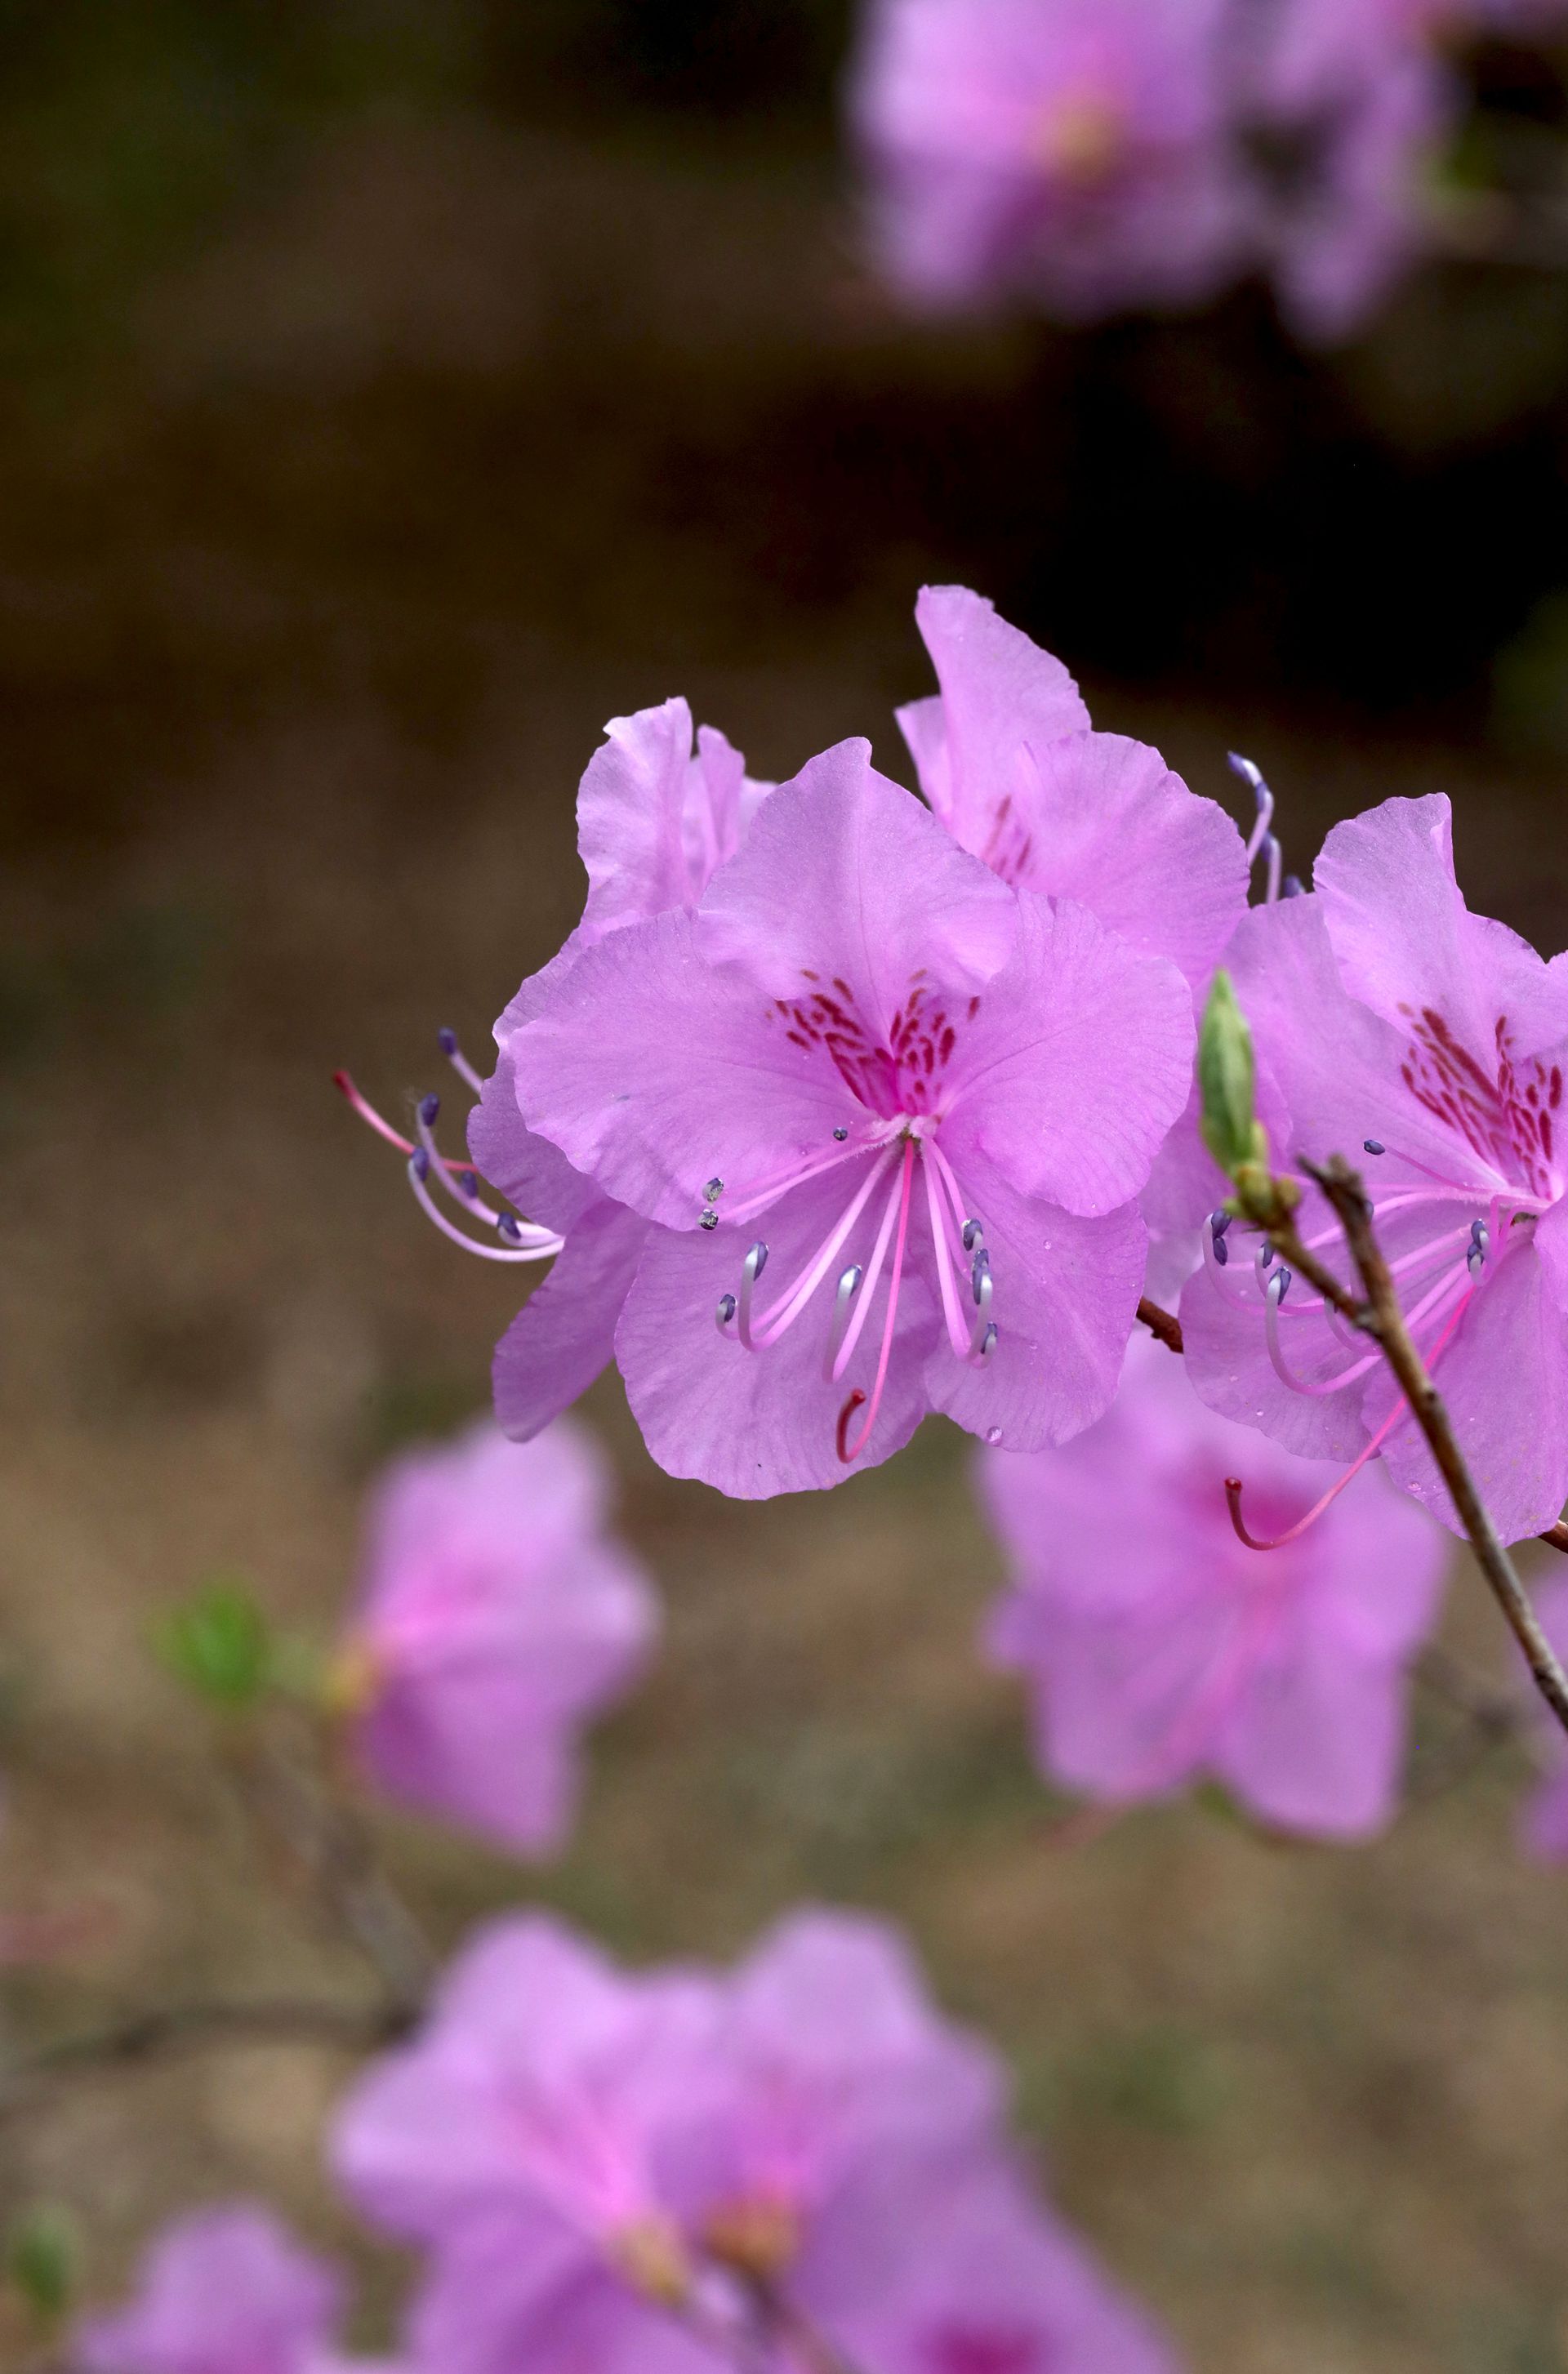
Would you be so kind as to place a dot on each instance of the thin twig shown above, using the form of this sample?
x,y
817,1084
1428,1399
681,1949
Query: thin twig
x,y
322,1833
1556,1538
1163,1325
1347,1194
147,2036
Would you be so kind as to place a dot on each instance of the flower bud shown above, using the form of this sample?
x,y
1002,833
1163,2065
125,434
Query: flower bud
x,y
1226,1079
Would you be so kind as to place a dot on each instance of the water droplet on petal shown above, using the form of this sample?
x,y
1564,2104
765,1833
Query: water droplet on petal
x,y
993,1436
713,1189
841,1134
709,1221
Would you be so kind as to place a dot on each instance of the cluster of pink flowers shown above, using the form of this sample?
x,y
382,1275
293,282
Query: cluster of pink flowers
x,y
1096,156
841,1106
678,2172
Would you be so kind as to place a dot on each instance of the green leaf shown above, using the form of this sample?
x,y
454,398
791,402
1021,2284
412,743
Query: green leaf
x,y
220,1645
42,2261
1226,1079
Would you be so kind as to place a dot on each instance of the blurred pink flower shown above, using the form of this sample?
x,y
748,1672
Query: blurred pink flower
x,y
221,2291
866,1059
1070,151
495,1616
1160,1650
1430,1045
1344,105
671,2174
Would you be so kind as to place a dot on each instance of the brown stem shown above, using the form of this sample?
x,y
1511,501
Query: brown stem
x,y
1162,1324
183,2027
1347,1192
1557,1537
324,1835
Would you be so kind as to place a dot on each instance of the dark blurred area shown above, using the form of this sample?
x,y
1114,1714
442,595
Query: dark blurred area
x,y
337,336
392,394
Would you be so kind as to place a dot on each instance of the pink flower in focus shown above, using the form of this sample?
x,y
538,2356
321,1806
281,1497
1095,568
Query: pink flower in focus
x,y
495,1615
663,2175
911,1089
1159,1649
1430,1045
1068,150
221,2291
1008,761
654,817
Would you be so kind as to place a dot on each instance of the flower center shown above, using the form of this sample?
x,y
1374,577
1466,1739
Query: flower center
x,y
898,1076
1506,1117
897,1080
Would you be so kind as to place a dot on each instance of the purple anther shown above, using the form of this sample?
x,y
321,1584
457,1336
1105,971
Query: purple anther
x,y
1279,1285
1219,1222
725,1314
447,1041
507,1226
1266,1254
979,1269
1294,887
419,1163
467,1184
1221,1252
429,1107
1374,1145
972,1235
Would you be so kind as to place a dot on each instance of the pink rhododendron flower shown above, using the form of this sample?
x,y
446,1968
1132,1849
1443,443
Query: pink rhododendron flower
x,y
1345,102
654,816
1069,150
1008,761
1546,1816
222,2291
867,1060
1430,1045
676,2172
495,1616
1160,1650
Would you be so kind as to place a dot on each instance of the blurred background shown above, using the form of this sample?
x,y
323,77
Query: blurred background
x,y
392,394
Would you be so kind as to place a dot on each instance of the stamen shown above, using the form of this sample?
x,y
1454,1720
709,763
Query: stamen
x,y
751,1269
1294,887
1216,1253
782,1314
983,1341
462,1185
1234,1486
935,1200
1219,1221
847,1287
447,1041
544,1247
1275,856
726,1313
1375,1146
1253,776
895,1280
972,1235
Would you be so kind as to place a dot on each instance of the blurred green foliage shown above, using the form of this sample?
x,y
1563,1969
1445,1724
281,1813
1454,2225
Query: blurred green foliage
x,y
43,2263
219,1644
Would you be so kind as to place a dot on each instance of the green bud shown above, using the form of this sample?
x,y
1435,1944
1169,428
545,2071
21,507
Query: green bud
x,y
42,2261
1226,1079
218,1644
